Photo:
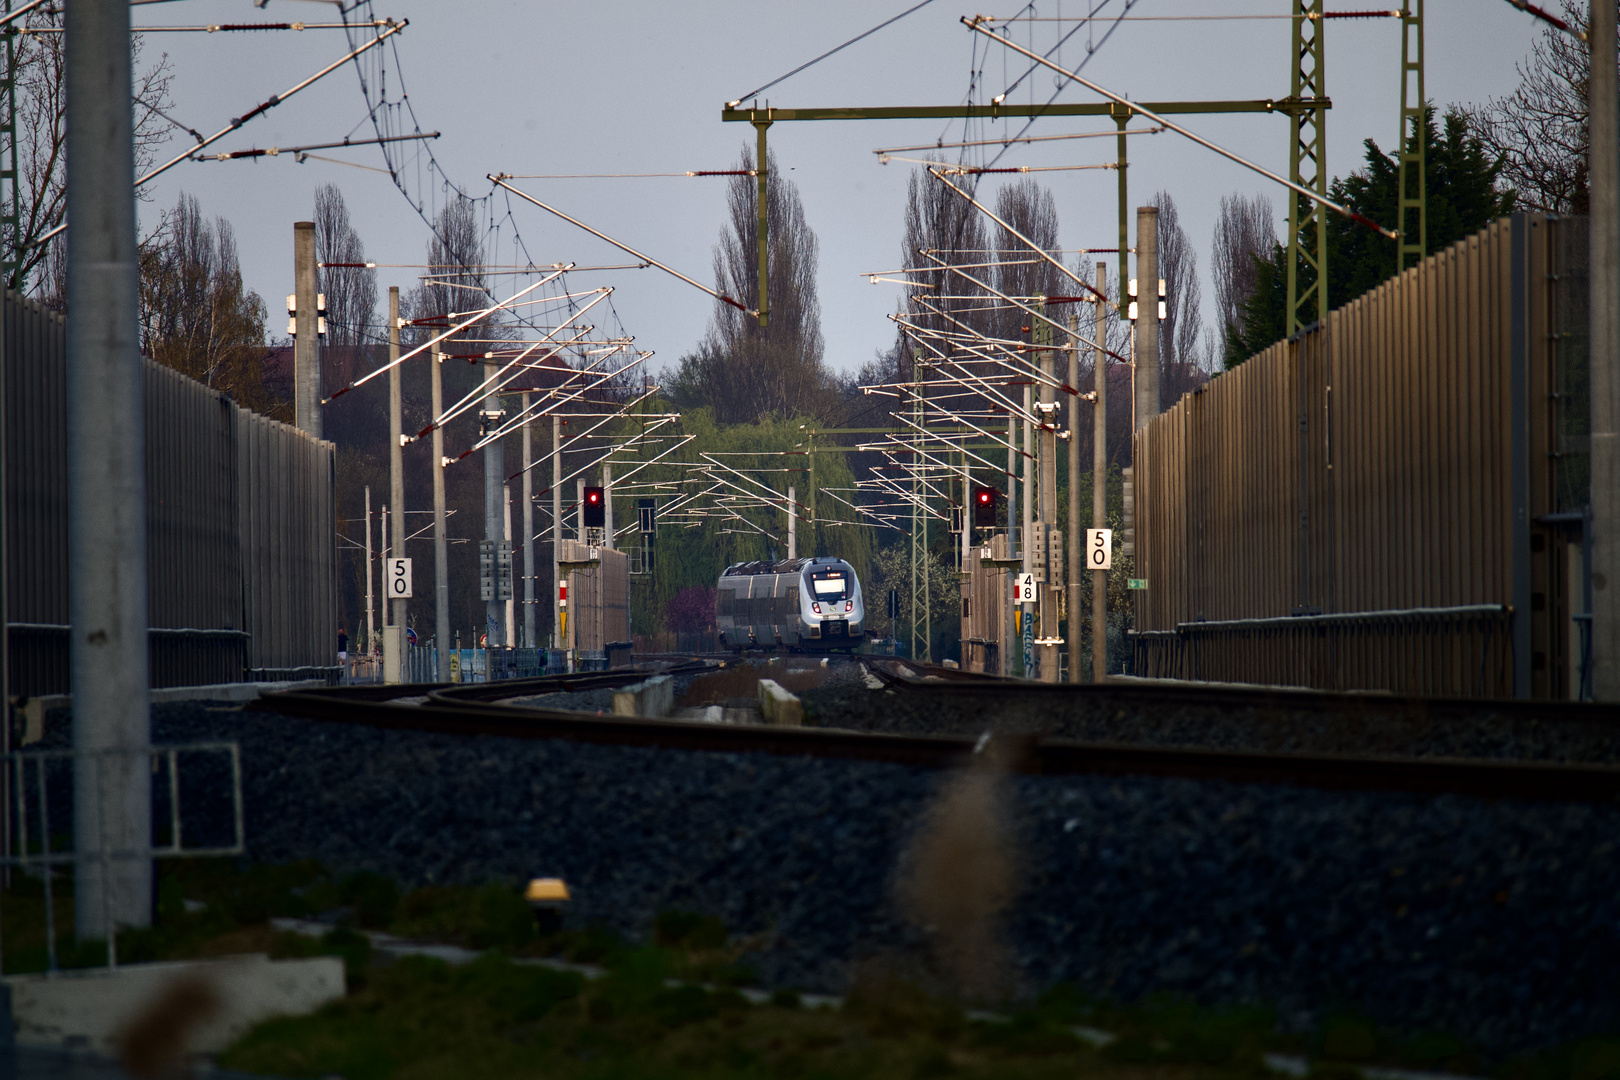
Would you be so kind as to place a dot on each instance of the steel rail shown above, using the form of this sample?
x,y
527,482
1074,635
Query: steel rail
x,y
476,709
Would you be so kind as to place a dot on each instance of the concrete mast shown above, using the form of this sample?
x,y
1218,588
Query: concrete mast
x,y
106,481
1605,350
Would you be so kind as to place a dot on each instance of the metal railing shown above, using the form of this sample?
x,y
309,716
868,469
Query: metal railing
x,y
1463,651
17,767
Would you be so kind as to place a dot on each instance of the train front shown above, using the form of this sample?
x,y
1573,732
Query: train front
x,y
832,609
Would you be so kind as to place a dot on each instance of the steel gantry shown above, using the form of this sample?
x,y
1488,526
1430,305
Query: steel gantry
x,y
1307,167
1412,216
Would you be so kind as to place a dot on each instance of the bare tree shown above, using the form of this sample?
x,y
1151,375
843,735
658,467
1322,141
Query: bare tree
x,y
351,290
939,226
741,370
1539,132
41,134
195,315
1116,339
1245,232
1020,272
1184,297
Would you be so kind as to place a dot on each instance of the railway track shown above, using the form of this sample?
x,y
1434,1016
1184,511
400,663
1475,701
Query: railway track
x,y
485,709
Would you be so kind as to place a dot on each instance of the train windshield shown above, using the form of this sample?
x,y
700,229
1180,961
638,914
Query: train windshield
x,y
830,585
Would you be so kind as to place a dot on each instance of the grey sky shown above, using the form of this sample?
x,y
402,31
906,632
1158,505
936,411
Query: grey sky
x,y
612,87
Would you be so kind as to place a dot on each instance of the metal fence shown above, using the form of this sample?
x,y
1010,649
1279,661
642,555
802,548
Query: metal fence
x,y
241,550
1389,500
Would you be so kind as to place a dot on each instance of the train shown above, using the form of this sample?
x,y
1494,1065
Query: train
x,y
796,603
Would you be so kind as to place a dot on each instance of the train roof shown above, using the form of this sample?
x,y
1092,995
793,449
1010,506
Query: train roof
x,y
785,566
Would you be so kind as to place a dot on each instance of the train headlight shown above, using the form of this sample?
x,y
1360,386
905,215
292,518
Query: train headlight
x,y
816,608
849,605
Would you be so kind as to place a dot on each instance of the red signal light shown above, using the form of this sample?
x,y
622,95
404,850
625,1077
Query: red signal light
x,y
984,507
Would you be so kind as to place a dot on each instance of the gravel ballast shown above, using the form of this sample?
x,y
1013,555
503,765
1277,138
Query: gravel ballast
x,y
1301,723
1497,922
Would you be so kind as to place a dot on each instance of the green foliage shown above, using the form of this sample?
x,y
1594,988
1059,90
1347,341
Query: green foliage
x,y
686,928
1463,197
374,898
891,569
776,453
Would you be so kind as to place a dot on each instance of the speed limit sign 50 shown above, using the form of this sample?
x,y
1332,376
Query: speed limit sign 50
x,y
1099,549
399,579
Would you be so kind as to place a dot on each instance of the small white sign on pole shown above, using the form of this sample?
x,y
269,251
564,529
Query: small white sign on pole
x,y
399,579
1099,549
1024,589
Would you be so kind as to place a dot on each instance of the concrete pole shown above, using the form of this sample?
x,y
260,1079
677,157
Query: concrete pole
x,y
556,530
494,478
1099,484
793,526
528,531
1010,647
510,624
112,802
1047,454
396,471
1012,486
1605,350
1147,319
441,542
1074,499
607,505
371,601
576,601
967,520
1028,554
306,343
1046,475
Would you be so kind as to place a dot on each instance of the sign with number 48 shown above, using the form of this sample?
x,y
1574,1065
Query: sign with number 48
x,y
1024,589
1099,549
399,579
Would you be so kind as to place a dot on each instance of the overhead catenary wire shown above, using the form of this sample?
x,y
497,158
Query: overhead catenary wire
x,y
276,151
306,156
270,103
964,170
205,28
486,312
811,63
629,175
975,25
1010,140
1379,13
498,179
1548,17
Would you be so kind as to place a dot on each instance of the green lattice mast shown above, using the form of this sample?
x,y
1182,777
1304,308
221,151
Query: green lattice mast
x,y
1412,219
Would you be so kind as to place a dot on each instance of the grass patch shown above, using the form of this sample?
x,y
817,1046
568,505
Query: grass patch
x,y
418,1019
422,1020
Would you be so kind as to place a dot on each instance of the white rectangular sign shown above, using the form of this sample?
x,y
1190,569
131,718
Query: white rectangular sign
x,y
1024,589
398,585
1099,549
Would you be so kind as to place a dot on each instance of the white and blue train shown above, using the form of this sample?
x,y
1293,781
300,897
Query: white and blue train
x,y
797,603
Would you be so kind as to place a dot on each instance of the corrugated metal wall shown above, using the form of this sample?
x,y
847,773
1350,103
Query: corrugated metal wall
x,y
288,530
985,589
240,531
598,597
1372,503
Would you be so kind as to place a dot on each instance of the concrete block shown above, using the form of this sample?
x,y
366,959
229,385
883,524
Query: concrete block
x,y
92,1008
654,697
778,707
